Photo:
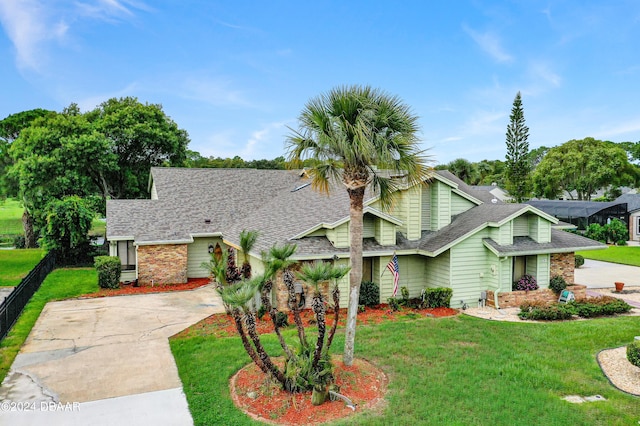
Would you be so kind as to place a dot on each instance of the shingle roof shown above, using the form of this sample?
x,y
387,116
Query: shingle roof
x,y
561,242
278,203
632,200
564,208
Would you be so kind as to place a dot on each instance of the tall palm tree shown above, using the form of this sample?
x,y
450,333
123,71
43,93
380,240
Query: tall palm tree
x,y
352,134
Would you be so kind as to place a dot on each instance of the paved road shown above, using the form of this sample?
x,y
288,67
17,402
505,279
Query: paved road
x,y
105,361
596,274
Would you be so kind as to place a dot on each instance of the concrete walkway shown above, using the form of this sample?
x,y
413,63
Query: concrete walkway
x,y
104,361
597,274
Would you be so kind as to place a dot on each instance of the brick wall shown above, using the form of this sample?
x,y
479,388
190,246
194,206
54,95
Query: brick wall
x,y
563,264
282,294
162,264
513,299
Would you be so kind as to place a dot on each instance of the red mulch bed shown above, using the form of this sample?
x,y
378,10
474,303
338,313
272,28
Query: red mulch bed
x,y
223,325
263,399
127,289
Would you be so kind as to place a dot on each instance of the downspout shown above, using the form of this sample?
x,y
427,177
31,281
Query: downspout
x,y
499,289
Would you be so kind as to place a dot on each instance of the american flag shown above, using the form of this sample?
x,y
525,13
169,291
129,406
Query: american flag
x,y
395,270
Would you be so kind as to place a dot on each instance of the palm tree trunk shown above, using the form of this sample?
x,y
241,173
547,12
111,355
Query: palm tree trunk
x,y
287,277
319,309
336,306
250,322
245,342
356,197
266,291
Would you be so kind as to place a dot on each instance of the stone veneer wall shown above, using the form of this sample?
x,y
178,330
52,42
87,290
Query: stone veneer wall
x,y
513,299
282,293
563,264
162,264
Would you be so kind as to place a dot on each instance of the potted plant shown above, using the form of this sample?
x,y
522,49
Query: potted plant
x,y
619,286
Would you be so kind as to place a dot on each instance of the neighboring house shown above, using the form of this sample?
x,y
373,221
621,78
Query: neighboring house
x,y
445,233
499,193
632,200
583,213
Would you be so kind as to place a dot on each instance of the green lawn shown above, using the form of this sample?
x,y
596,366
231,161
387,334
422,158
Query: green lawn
x,y
59,284
10,217
454,371
626,255
16,264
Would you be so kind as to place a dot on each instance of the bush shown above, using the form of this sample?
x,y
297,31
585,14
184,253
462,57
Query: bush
x,y
616,231
557,284
597,232
394,304
621,243
439,297
19,242
579,260
404,291
590,307
633,353
261,311
540,311
109,269
282,319
526,283
369,294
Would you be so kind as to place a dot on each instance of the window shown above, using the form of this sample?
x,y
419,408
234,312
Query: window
x,y
127,255
519,267
638,226
367,269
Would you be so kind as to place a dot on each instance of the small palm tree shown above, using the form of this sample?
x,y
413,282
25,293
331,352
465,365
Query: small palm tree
x,y
352,134
247,241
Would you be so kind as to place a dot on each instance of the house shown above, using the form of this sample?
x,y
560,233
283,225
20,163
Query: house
x,y
444,233
583,213
499,193
632,200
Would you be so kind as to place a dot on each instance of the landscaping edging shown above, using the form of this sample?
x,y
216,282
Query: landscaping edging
x,y
513,299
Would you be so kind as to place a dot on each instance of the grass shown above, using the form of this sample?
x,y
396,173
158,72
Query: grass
x,y
626,255
59,284
16,264
10,217
454,371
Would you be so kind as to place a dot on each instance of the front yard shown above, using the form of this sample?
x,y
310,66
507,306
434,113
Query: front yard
x,y
626,255
16,264
459,370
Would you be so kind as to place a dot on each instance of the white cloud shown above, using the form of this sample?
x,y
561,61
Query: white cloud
x,y
490,43
261,143
631,128
90,102
32,24
211,90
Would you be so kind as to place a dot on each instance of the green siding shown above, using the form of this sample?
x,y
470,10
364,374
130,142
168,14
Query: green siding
x,y
440,205
470,271
339,236
414,216
385,232
459,204
369,226
438,270
412,276
399,209
154,191
197,253
426,208
505,235
128,276
521,226
318,233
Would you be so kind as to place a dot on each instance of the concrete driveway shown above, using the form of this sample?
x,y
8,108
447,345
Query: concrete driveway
x,y
104,361
597,274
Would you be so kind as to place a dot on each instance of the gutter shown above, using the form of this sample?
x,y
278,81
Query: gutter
x,y
499,289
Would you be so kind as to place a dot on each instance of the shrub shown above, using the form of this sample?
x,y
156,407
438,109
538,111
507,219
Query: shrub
x,y
261,311
616,231
621,243
109,269
19,242
557,284
439,297
282,319
404,291
526,283
633,353
579,260
369,294
394,304
540,311
597,232
590,307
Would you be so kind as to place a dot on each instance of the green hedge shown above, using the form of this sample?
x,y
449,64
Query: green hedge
x,y
633,353
586,308
439,297
109,269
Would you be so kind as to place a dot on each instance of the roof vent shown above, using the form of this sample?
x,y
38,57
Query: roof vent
x,y
207,221
298,188
494,200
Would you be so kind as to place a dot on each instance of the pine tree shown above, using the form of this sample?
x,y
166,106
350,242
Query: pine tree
x,y
518,167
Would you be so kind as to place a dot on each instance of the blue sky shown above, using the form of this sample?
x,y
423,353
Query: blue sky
x,y
235,74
